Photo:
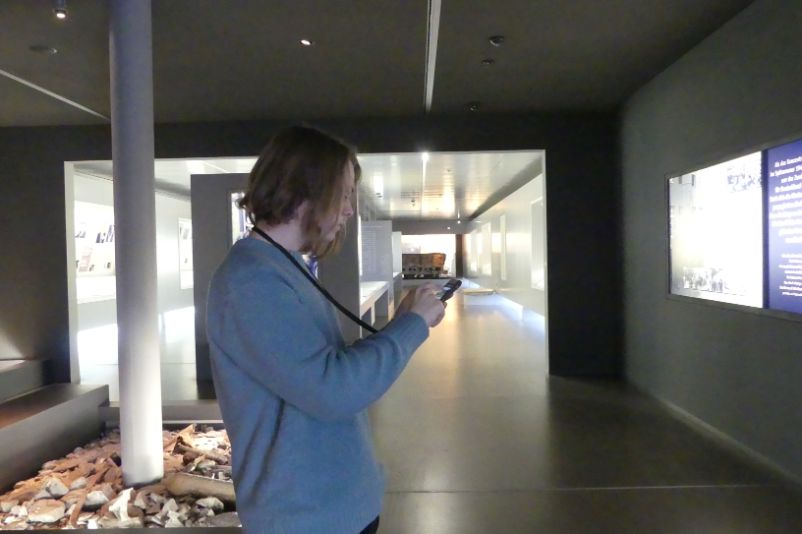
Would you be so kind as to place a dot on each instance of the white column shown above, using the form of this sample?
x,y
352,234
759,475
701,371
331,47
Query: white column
x,y
131,61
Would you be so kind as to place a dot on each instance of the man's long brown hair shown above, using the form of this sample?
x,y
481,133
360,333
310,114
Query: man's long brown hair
x,y
300,164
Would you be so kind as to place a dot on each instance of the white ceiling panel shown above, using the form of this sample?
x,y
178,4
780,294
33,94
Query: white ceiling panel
x,y
441,185
438,185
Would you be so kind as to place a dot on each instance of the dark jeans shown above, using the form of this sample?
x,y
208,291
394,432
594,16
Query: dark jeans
x,y
372,528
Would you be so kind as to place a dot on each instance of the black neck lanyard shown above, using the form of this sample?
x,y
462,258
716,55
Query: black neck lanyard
x,y
311,278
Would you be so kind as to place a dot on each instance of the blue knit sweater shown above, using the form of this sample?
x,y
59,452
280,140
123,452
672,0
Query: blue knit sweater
x,y
293,395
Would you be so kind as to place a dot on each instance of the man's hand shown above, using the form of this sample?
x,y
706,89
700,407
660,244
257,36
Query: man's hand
x,y
424,302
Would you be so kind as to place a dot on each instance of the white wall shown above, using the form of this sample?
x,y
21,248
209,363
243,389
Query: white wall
x,y
175,304
524,244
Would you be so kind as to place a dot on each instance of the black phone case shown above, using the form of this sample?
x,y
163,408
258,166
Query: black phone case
x,y
449,288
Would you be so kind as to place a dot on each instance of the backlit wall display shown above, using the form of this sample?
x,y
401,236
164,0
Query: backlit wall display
x,y
240,225
486,251
716,232
784,228
185,265
94,252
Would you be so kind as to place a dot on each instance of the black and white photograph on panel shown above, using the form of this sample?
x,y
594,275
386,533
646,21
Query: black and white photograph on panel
x,y
715,219
240,225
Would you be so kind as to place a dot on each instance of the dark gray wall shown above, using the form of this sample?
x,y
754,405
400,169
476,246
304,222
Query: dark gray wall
x,y
581,170
736,370
211,239
33,276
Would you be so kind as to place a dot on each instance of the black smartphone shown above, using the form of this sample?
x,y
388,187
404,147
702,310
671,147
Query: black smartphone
x,y
448,289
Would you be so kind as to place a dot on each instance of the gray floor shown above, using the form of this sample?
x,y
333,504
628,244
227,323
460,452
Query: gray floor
x,y
477,439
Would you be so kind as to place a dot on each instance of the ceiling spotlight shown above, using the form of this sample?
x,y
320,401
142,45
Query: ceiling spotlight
x,y
60,9
496,40
486,62
307,42
448,228
473,106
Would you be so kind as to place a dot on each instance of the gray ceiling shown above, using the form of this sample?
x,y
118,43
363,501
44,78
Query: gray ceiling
x,y
218,60
240,59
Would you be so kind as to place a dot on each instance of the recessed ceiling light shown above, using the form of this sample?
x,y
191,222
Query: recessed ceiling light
x,y
496,40
307,42
61,9
43,49
486,62
473,106
448,228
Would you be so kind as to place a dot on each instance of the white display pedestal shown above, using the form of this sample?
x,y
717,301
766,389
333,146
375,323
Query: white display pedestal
x,y
374,301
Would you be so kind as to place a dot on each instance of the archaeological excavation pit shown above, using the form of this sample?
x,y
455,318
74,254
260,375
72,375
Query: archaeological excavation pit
x,y
85,489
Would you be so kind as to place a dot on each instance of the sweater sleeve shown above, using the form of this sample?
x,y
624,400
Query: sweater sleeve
x,y
281,346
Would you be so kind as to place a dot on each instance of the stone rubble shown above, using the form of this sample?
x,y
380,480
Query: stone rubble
x,y
46,511
56,487
6,506
78,483
85,489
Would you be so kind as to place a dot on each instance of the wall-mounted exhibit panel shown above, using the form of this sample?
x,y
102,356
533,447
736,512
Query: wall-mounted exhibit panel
x,y
486,254
94,252
784,231
376,281
716,245
735,230
240,225
376,250
537,234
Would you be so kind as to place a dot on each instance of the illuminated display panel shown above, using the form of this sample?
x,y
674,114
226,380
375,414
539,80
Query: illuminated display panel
x,y
716,232
784,228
